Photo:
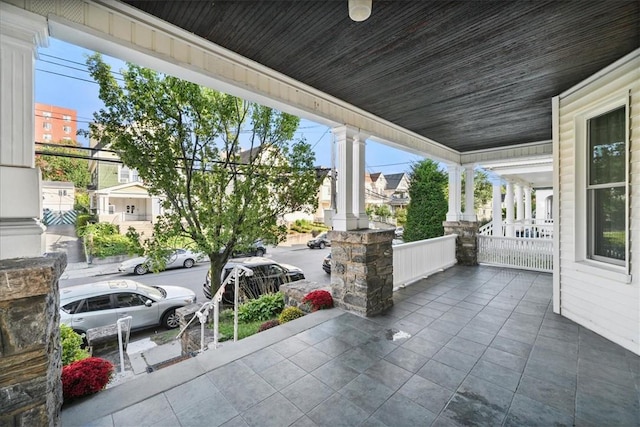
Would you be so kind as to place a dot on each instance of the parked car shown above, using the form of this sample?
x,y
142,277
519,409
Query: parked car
x,y
175,259
326,264
268,275
320,241
257,248
83,307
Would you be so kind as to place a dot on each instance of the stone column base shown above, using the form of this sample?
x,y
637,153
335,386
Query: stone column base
x,y
30,353
362,271
467,241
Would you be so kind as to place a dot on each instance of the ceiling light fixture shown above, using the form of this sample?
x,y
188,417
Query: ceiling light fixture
x,y
359,10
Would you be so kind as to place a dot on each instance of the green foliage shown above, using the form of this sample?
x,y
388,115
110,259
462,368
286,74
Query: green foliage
x,y
263,308
401,216
382,211
81,202
103,239
59,168
245,329
185,142
134,240
306,226
81,221
428,208
289,314
71,345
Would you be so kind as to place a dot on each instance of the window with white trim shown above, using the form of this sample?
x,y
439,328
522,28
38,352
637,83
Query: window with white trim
x,y
127,175
606,187
66,118
46,125
66,129
46,137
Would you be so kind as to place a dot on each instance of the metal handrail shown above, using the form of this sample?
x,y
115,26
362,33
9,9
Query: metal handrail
x,y
203,313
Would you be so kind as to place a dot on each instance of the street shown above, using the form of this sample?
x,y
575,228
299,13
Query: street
x,y
309,260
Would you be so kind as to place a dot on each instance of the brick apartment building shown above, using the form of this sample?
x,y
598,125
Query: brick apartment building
x,y
55,124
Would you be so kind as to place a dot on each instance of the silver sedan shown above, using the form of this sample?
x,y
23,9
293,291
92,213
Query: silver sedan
x,y
177,258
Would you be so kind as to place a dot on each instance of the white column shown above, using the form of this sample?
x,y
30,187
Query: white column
x,y
469,199
497,209
21,234
344,219
519,204
359,208
510,232
527,204
455,193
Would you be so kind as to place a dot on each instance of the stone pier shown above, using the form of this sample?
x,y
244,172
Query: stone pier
x,y
467,241
362,270
30,353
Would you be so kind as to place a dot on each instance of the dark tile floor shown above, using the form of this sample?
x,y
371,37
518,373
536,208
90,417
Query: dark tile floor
x,y
474,346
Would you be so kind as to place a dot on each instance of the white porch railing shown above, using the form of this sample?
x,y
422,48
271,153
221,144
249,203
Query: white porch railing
x,y
203,313
415,260
516,252
528,229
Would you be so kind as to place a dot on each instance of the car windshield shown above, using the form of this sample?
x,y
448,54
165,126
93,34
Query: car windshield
x,y
152,291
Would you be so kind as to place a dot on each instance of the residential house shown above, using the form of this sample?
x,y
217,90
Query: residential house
x,y
117,194
397,190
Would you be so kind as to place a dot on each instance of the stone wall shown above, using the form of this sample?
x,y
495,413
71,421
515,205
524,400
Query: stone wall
x,y
30,353
466,242
362,270
294,293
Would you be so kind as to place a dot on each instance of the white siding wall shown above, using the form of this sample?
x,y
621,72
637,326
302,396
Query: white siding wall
x,y
606,301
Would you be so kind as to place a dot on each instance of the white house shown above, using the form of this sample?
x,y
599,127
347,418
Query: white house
x,y
596,141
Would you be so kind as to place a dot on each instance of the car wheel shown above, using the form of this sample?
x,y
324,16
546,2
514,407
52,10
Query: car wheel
x,y
260,252
188,263
170,320
321,245
140,269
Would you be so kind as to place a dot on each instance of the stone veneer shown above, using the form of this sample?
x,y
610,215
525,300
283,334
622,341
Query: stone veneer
x,y
30,353
362,270
466,242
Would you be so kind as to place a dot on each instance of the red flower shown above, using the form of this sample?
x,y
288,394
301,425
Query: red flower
x,y
85,376
318,300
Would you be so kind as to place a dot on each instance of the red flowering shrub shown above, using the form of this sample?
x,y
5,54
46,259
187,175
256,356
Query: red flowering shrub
x,y
85,376
318,300
268,325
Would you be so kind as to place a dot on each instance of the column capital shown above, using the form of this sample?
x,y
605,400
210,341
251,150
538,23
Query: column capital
x,y
22,26
348,131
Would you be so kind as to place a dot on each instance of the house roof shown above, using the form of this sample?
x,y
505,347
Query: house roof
x,y
467,74
393,180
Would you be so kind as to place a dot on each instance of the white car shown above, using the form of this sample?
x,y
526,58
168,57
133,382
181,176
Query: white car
x,y
98,304
175,259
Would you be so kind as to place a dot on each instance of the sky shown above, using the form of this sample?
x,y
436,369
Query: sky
x,y
62,79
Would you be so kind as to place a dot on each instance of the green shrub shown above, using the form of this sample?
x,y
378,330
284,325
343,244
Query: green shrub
x,y
289,314
104,239
71,345
306,226
81,222
260,309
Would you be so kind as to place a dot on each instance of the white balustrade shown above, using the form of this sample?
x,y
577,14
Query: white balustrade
x,y
416,260
525,253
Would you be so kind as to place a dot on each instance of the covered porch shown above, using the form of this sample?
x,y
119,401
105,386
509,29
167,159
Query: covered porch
x,y
480,346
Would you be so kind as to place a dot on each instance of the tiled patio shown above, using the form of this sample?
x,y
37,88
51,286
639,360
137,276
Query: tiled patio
x,y
484,349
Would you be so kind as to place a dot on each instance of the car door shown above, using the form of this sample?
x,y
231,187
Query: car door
x,y
133,304
94,312
174,259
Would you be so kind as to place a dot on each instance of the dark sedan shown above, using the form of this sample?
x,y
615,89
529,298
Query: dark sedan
x,y
320,241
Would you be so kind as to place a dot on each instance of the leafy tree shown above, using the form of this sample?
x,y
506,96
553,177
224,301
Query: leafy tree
x,y
226,168
60,166
428,208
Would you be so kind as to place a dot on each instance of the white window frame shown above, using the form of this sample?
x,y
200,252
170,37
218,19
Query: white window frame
x,y
599,267
46,137
66,129
66,117
46,125
46,114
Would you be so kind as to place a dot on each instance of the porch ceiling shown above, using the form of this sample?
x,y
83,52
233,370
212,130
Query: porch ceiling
x,y
470,75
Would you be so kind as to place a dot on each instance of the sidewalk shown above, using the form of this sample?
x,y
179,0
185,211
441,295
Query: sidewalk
x,y
77,270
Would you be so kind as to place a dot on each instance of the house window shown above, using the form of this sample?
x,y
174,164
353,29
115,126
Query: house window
x,y
607,187
46,137
46,126
46,114
66,118
128,175
66,129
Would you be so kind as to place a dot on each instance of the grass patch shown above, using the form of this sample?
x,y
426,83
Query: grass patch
x,y
225,328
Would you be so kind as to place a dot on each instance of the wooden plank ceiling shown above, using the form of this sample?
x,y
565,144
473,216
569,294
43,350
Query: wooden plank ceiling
x,y
468,74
